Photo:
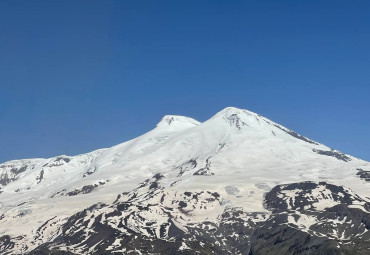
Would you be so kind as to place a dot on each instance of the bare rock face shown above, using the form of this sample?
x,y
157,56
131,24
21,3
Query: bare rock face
x,y
295,224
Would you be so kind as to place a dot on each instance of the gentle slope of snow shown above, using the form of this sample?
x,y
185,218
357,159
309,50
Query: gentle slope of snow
x,y
235,148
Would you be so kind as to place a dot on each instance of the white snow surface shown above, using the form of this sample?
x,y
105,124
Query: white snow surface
x,y
238,148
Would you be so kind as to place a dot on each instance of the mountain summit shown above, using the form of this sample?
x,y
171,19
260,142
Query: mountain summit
x,y
237,183
177,122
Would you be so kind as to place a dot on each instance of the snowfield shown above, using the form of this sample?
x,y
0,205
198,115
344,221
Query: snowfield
x,y
182,180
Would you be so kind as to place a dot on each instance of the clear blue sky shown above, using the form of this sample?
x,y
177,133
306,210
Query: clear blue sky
x,y
81,75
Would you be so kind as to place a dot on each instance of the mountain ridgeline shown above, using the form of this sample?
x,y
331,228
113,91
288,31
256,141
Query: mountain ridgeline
x,y
237,183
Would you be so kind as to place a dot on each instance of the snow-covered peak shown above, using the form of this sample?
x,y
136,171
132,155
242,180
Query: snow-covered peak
x,y
236,117
231,111
177,122
180,176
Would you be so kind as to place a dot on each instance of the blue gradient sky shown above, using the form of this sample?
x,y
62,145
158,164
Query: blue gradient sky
x,y
81,75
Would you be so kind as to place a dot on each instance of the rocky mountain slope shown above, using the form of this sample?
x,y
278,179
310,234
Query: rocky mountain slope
x,y
237,183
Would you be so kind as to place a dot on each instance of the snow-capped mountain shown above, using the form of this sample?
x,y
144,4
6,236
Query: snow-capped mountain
x,y
237,183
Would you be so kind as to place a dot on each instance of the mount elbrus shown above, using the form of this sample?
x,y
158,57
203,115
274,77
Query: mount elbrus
x,y
237,183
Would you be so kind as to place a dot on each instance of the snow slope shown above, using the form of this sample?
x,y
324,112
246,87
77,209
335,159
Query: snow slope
x,y
237,154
